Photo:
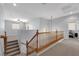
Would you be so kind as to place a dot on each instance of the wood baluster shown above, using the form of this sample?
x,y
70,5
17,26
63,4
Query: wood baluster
x,y
56,34
5,41
27,43
37,41
27,48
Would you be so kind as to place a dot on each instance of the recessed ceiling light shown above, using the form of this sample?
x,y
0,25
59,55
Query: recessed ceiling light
x,y
14,4
71,12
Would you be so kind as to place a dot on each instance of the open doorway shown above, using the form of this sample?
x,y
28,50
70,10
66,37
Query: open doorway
x,y
73,31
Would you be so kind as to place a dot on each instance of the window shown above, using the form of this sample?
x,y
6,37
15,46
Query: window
x,y
31,27
71,26
27,27
15,26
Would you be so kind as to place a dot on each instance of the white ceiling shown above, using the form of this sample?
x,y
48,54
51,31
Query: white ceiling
x,y
38,10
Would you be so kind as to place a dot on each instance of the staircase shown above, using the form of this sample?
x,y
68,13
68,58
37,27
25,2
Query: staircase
x,y
12,48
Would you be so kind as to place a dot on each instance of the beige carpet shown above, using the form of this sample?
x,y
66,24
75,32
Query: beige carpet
x,y
68,47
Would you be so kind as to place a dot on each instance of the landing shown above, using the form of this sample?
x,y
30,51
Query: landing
x,y
68,47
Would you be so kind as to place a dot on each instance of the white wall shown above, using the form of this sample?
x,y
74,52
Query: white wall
x,y
8,28
62,23
41,24
1,29
23,36
1,20
13,32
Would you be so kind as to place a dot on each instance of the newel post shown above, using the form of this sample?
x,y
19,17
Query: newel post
x,y
37,41
5,40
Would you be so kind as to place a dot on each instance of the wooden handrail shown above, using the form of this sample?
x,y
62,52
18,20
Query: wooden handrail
x,y
2,36
32,38
48,32
44,32
38,33
27,43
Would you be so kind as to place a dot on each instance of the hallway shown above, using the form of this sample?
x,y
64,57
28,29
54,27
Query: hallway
x,y
68,47
38,25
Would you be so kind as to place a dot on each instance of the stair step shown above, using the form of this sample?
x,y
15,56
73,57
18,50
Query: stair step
x,y
12,50
11,47
13,54
12,41
16,53
16,43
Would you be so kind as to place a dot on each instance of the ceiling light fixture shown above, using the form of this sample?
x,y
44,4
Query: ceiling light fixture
x,y
14,4
43,3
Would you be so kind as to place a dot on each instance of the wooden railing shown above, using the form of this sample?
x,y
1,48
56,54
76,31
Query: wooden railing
x,y
5,40
33,36
27,43
37,42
